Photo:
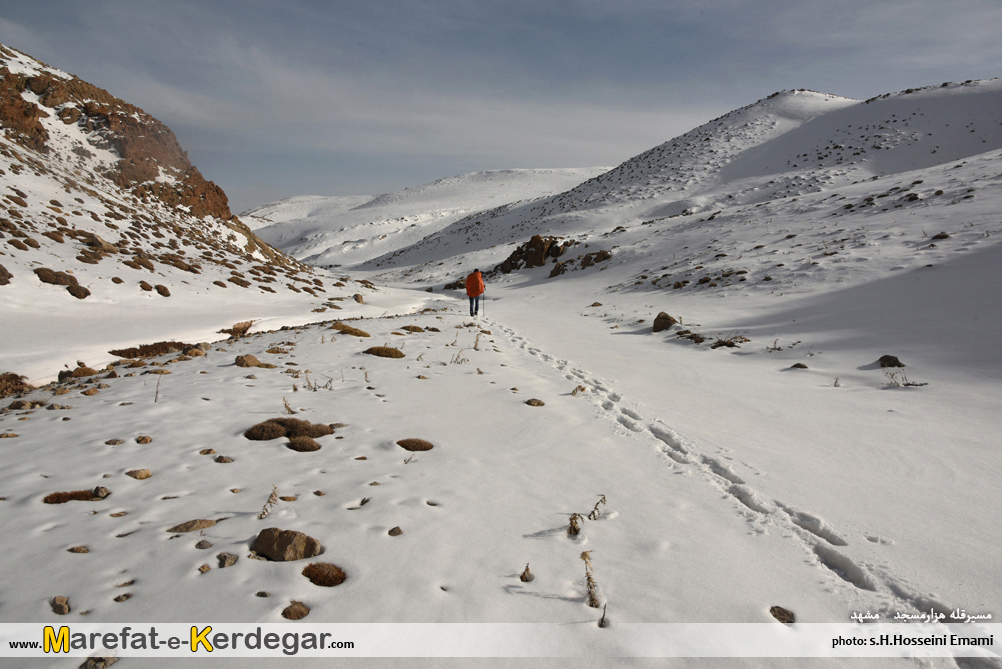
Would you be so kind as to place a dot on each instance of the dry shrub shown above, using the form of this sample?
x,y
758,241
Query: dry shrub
x,y
238,330
302,445
349,330
324,573
46,275
13,384
63,497
152,350
413,328
415,445
274,428
384,352
78,292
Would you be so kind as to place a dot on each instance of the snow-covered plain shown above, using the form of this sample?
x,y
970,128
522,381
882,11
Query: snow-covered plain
x,y
733,482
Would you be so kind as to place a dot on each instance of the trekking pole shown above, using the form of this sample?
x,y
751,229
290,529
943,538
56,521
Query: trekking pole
x,y
485,303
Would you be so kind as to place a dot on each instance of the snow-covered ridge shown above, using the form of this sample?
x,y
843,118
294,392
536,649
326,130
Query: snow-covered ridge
x,y
348,230
790,144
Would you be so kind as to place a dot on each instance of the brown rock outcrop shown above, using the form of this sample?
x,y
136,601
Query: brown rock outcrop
x,y
285,545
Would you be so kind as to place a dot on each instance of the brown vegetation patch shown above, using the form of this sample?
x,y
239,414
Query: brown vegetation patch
x,y
413,328
162,290
192,525
415,445
292,428
535,403
5,276
349,330
46,275
152,350
325,574
384,352
13,384
302,445
74,495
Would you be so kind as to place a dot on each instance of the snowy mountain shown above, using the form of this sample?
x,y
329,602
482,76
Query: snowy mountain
x,y
754,365
348,230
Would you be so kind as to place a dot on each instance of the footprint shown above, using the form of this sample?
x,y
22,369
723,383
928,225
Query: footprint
x,y
844,568
631,413
608,406
629,424
813,524
615,397
722,470
748,498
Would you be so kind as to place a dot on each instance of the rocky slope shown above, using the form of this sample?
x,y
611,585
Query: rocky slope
x,y
99,205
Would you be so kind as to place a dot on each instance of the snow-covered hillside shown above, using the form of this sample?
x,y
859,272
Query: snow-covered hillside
x,y
347,230
790,145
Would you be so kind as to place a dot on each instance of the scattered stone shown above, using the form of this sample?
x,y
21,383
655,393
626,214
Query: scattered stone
x,y
90,392
423,377
358,298
203,544
295,611
324,574
98,662
783,615
534,402
78,549
139,474
798,365
663,321
890,361
207,451
595,304
222,459
227,560
192,525
319,493
234,490
262,593
247,361
8,435
941,235
288,498
415,445
204,568
144,439
395,532
60,605
119,514
526,576
285,545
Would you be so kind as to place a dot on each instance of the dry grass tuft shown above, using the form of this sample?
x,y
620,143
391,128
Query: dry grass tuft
x,y
302,444
265,431
415,445
349,330
384,352
324,574
12,384
413,329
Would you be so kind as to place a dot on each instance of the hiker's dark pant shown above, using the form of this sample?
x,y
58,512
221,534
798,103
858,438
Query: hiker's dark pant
x,y
474,305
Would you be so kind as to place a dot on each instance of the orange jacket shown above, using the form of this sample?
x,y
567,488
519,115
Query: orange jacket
x,y
474,284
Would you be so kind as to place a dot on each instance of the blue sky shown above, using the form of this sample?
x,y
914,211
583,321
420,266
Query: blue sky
x,y
274,99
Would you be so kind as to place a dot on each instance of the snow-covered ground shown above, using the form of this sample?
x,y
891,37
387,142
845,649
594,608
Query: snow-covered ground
x,y
732,481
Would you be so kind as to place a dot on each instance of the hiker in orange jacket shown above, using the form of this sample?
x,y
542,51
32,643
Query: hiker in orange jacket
x,y
475,288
